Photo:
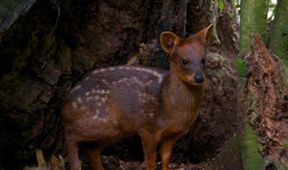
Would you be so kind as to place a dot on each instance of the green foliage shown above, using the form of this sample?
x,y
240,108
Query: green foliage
x,y
282,167
241,67
234,3
252,160
286,144
221,5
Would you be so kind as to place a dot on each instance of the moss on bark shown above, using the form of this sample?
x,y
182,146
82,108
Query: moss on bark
x,y
278,41
253,19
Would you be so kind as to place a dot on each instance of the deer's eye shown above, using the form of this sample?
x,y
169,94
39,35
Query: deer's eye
x,y
184,62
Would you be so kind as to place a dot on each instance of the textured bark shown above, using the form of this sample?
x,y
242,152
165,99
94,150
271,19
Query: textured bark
x,y
266,90
253,20
11,10
278,37
172,18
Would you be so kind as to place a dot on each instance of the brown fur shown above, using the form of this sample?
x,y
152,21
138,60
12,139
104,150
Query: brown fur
x,y
159,106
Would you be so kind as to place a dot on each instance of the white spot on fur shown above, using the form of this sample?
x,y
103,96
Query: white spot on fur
x,y
107,110
103,99
155,73
99,71
151,115
144,97
95,117
87,93
104,81
97,112
147,70
79,100
84,109
148,83
103,120
74,105
100,91
89,98
95,71
87,78
76,88
123,67
96,98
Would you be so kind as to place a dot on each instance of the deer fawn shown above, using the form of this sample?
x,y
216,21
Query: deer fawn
x,y
159,106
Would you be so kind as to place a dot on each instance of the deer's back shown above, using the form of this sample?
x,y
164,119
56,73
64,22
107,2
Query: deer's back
x,y
120,97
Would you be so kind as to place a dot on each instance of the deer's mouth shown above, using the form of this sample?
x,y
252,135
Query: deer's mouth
x,y
194,80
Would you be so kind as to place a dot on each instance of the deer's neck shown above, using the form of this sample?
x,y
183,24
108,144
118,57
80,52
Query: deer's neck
x,y
181,100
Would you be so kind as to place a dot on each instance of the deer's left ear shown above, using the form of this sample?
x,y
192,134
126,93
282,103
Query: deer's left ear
x,y
205,34
169,41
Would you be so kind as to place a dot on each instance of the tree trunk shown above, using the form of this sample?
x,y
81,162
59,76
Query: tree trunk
x,y
173,17
278,38
266,88
255,110
10,11
253,19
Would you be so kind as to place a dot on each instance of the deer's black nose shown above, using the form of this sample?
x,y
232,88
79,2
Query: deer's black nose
x,y
198,77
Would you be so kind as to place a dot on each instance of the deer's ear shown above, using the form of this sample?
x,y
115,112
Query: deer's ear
x,y
205,34
168,41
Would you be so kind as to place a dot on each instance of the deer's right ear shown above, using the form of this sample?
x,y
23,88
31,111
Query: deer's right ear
x,y
168,41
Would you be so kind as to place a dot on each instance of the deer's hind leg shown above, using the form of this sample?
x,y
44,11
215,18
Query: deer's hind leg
x,y
72,148
94,154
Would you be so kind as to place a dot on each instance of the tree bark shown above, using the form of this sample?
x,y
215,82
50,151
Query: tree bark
x,y
253,19
265,91
11,10
278,37
172,18
252,107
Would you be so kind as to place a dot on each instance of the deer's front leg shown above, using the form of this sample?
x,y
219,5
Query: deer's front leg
x,y
166,151
149,145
